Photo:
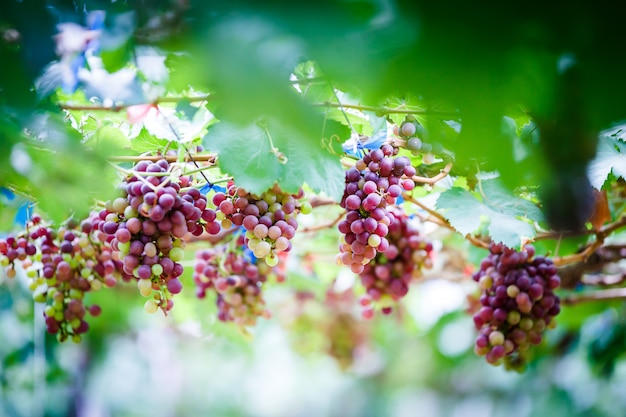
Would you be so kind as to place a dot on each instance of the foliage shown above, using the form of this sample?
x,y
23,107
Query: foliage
x,y
510,120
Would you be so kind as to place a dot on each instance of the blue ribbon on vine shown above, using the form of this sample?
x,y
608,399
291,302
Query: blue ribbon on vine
x,y
22,216
356,147
208,187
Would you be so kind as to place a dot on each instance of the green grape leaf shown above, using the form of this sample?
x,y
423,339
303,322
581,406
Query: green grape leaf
x,y
108,140
308,162
404,103
312,86
145,142
508,215
258,155
610,156
358,122
245,153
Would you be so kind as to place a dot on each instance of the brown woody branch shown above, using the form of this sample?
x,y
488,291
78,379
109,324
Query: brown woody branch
x,y
119,107
601,295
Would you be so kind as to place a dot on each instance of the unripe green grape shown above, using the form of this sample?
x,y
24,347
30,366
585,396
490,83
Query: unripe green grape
x,y
526,323
253,242
271,260
151,306
306,208
157,270
119,205
39,295
130,212
496,338
262,249
144,285
374,240
512,291
76,338
485,282
176,254
269,198
513,317
76,294
123,247
50,311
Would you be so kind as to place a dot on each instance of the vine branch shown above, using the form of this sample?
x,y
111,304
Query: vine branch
x,y
600,295
385,110
590,249
119,107
431,180
210,158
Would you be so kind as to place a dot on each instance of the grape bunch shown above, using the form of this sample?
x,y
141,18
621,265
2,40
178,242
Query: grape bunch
x,y
329,326
147,226
63,265
269,219
517,303
387,277
237,280
374,183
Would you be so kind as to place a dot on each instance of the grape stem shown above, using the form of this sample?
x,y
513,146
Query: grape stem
x,y
321,201
324,226
128,172
432,180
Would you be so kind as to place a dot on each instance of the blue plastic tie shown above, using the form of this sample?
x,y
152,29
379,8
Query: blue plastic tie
x,y
208,187
356,147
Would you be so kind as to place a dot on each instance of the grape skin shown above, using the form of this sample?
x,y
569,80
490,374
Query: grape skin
x,y
237,283
517,303
387,277
372,184
147,225
64,264
270,219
